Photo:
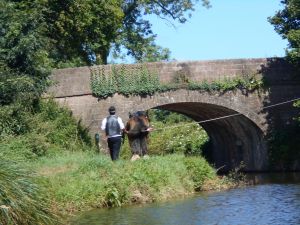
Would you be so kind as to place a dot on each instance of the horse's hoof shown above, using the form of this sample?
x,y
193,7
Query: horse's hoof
x,y
135,157
146,156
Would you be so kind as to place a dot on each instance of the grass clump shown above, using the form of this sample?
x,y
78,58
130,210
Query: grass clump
x,y
21,199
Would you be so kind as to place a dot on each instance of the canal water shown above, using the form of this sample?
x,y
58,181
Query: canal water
x,y
274,199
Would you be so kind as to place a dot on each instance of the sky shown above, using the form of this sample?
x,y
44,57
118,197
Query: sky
x,y
230,29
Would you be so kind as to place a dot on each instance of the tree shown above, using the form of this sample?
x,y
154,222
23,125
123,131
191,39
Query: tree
x,y
24,51
287,24
84,32
91,29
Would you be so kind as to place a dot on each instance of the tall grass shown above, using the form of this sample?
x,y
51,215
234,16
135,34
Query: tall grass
x,y
22,202
44,129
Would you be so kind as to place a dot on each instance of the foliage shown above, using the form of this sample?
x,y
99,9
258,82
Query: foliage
x,y
168,136
136,35
284,150
297,105
171,138
200,171
84,30
139,80
167,117
21,199
24,61
136,81
38,35
14,120
15,88
23,45
236,175
286,23
49,129
75,32
248,83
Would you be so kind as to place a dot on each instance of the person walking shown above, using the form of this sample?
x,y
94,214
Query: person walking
x,y
113,127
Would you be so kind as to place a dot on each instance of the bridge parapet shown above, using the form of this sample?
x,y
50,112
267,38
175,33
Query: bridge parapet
x,y
76,81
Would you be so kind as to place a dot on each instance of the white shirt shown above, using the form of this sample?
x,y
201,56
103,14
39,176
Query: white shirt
x,y
103,126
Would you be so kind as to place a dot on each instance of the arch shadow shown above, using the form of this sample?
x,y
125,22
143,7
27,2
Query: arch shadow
x,y
233,139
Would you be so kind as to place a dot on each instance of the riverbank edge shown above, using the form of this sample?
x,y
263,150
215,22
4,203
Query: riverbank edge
x,y
84,181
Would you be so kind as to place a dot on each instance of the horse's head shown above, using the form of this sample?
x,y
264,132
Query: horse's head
x,y
138,122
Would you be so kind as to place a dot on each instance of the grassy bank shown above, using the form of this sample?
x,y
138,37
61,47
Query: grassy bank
x,y
83,180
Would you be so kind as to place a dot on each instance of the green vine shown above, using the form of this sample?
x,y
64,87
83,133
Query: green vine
x,y
124,80
249,83
139,80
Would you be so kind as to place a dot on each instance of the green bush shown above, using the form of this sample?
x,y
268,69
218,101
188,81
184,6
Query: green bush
x,y
169,138
44,129
14,120
199,170
15,87
24,147
285,144
173,133
21,200
284,150
59,127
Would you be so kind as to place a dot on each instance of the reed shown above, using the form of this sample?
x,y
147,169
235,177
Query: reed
x,y
21,200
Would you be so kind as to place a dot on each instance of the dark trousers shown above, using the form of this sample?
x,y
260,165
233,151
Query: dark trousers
x,y
114,145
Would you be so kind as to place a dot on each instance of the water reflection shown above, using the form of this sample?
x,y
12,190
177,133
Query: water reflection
x,y
275,201
274,178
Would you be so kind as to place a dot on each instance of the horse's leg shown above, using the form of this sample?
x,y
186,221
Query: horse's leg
x,y
134,145
144,146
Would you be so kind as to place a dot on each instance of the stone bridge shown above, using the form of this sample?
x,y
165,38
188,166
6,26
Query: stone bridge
x,y
245,118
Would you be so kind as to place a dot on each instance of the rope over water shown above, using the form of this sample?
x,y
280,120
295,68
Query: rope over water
x,y
224,117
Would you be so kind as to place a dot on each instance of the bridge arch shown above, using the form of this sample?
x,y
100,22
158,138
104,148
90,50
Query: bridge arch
x,y
233,139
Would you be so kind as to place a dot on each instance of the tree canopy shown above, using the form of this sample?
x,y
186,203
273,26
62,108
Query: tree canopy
x,y
287,24
83,32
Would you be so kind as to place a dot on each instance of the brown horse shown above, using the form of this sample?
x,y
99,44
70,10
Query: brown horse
x,y
137,129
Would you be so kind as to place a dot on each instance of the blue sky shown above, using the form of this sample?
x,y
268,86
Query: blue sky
x,y
229,29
